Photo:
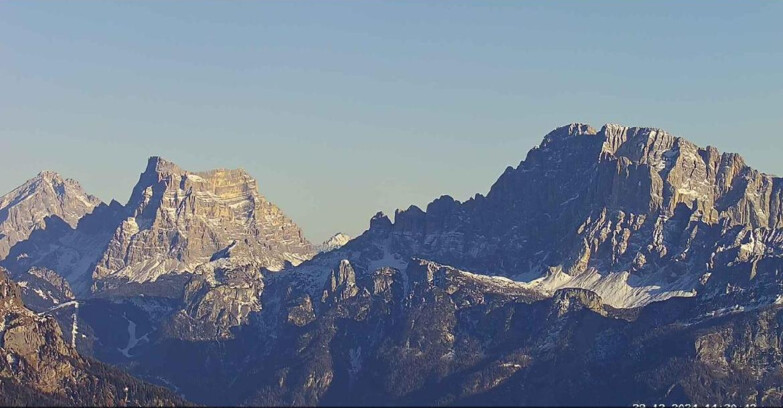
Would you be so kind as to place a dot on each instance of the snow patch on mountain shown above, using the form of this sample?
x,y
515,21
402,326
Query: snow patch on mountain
x,y
617,289
133,341
334,242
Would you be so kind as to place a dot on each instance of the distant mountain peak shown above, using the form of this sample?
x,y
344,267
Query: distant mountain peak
x,y
334,242
568,131
49,175
159,165
189,218
588,206
380,222
609,132
59,183
159,168
25,208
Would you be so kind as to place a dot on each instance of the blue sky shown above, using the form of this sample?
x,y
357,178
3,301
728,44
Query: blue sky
x,y
341,109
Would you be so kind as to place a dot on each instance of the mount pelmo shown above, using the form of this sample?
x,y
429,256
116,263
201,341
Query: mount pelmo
x,y
177,220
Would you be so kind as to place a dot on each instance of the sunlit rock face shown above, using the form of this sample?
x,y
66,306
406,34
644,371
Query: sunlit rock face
x,y
177,220
47,194
39,366
174,221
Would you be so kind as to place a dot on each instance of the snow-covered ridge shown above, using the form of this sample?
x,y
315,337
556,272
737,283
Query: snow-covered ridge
x,y
334,242
617,289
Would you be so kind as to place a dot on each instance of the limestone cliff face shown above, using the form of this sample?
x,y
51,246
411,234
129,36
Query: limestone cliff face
x,y
177,220
636,214
48,194
218,297
719,186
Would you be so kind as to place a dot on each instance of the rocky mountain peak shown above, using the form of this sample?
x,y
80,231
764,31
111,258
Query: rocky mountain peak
x,y
177,219
568,132
639,144
47,194
380,222
49,182
158,168
159,164
601,210
335,241
51,178
338,239
49,175
341,284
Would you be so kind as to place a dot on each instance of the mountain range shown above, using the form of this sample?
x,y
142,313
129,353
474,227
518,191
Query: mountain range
x,y
612,266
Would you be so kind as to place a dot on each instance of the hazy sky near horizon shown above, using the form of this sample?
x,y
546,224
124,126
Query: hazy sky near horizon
x,y
342,109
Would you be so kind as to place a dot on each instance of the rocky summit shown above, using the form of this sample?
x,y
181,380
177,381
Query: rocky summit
x,y
25,209
174,221
177,220
612,266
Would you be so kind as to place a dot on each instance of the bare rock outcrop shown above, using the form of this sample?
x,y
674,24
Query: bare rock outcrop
x,y
38,367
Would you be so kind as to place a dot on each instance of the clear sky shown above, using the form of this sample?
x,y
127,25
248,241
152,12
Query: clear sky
x,y
341,109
